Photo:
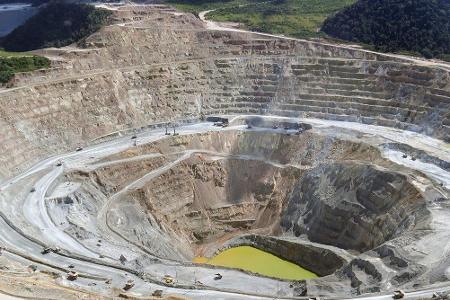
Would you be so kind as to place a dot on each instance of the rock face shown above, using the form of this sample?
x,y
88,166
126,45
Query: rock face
x,y
232,183
306,198
153,65
352,206
229,183
159,200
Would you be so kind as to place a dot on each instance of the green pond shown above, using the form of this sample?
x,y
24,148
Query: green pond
x,y
257,261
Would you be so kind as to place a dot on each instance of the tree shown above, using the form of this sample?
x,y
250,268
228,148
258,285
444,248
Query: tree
x,y
421,26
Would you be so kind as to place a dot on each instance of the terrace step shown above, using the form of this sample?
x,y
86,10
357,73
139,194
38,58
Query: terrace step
x,y
239,105
342,86
362,100
251,99
338,92
350,109
370,120
437,99
327,73
338,80
257,93
353,108
439,92
326,67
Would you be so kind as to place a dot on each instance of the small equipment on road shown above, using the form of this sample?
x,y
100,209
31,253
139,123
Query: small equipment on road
x,y
128,285
72,275
168,280
399,294
46,250
300,131
174,131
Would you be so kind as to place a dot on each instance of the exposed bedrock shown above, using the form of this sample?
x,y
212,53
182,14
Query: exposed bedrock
x,y
308,189
218,184
338,197
352,206
154,66
201,200
330,202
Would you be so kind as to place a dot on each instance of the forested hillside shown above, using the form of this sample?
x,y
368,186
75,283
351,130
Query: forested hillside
x,y
56,25
420,26
33,2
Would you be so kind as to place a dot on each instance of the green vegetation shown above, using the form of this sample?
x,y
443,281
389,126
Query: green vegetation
x,y
57,24
12,63
6,54
32,2
257,261
297,18
417,26
196,6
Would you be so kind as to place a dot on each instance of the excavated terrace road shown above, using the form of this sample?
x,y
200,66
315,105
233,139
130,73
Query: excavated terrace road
x,y
19,241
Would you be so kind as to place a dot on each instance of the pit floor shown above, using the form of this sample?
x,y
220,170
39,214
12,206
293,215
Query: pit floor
x,y
257,261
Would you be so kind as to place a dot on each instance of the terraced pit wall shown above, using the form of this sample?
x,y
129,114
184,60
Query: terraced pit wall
x,y
155,65
229,183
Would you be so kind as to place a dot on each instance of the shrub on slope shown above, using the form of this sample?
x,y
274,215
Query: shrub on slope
x,y
11,65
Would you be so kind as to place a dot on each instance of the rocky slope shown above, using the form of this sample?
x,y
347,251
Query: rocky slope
x,y
139,204
154,64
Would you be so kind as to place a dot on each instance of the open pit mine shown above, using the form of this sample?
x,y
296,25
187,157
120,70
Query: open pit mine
x,y
163,140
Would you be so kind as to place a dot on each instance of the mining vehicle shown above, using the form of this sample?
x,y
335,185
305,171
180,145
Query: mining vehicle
x,y
169,280
128,285
399,294
72,275
46,250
